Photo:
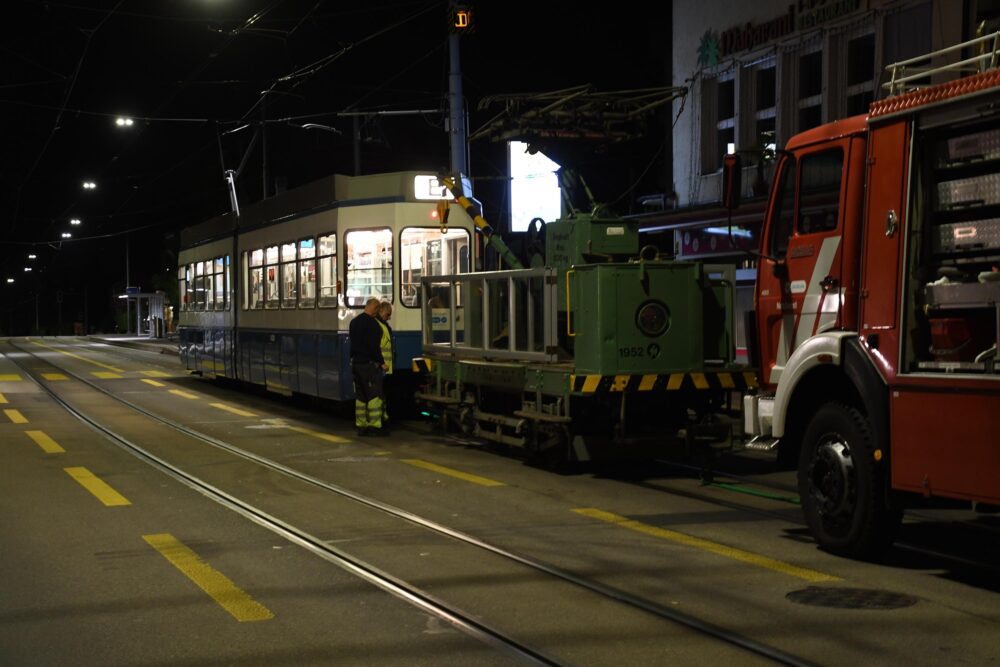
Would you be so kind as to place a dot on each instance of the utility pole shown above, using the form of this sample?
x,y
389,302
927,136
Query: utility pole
x,y
460,22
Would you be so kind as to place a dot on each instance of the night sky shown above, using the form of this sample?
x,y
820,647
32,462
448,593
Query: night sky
x,y
191,71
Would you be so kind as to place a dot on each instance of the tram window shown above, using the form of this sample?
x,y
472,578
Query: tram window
x,y
369,266
182,286
425,251
307,273
226,291
189,296
199,285
271,287
256,279
819,191
288,292
219,283
327,260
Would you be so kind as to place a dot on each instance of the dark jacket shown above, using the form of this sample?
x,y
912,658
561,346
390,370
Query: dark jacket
x,y
366,340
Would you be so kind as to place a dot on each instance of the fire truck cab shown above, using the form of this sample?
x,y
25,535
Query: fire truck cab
x,y
877,304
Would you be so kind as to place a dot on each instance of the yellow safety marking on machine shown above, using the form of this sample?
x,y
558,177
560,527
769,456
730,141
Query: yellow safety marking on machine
x,y
219,587
77,356
235,411
726,380
721,380
182,394
451,472
675,381
106,375
16,416
620,382
153,383
329,437
751,379
3,399
706,545
10,377
155,374
647,382
99,488
48,445
420,365
699,380
54,377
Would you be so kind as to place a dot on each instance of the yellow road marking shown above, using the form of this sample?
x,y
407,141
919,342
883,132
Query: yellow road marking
x,y
316,434
154,383
3,400
53,377
451,472
219,587
155,374
182,394
16,416
48,445
706,545
235,411
98,487
77,356
106,375
10,377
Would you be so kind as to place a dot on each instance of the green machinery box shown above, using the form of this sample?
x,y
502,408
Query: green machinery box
x,y
643,317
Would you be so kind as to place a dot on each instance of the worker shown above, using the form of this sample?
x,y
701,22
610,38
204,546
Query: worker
x,y
384,313
368,367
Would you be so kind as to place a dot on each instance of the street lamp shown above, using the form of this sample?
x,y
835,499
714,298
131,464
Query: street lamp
x,y
89,185
74,221
67,235
123,121
32,256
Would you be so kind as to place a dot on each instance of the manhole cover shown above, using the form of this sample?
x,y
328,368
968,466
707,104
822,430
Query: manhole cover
x,y
851,598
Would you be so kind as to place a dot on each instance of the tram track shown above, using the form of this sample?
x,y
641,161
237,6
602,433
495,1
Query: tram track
x,y
367,571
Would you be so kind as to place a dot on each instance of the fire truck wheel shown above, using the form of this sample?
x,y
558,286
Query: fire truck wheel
x,y
842,486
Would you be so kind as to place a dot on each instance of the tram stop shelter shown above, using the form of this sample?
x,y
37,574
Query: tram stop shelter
x,y
144,312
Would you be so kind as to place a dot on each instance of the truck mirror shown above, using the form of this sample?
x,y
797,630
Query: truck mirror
x,y
732,171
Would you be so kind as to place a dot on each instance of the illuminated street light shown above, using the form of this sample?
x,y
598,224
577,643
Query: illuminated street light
x,y
32,256
27,269
89,185
67,235
10,280
122,121
74,221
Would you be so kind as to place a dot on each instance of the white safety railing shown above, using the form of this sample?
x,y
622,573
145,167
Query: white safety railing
x,y
914,73
491,314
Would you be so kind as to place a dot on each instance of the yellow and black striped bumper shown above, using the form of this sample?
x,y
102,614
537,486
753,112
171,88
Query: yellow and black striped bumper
x,y
593,384
421,365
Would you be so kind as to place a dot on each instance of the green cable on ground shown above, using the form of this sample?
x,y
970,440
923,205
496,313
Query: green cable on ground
x,y
752,492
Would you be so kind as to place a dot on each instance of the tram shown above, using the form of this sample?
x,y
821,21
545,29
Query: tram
x,y
267,296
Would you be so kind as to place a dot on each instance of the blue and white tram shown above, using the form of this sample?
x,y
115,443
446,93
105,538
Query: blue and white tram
x,y
305,263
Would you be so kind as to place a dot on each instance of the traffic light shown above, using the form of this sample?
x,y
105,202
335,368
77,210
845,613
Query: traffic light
x,y
460,20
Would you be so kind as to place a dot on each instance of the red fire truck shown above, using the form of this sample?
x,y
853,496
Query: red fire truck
x,y
877,304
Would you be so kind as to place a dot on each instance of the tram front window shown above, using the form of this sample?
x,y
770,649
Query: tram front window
x,y
425,251
369,265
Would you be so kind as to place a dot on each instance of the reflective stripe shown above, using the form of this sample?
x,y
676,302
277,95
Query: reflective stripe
x,y
386,344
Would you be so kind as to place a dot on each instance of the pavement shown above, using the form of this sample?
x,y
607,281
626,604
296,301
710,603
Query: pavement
x,y
166,345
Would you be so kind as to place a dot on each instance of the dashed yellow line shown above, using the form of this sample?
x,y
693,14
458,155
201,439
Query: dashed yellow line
x,y
706,545
155,374
77,356
10,377
182,394
219,587
106,375
154,383
101,490
54,377
451,472
317,434
42,439
16,416
235,411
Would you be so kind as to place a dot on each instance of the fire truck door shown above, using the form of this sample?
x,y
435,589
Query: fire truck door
x,y
801,293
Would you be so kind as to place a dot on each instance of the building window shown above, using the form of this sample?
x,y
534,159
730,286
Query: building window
x,y
369,266
765,101
860,74
726,115
327,260
810,90
718,99
307,273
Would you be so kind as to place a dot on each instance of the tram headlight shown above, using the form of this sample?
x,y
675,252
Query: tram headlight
x,y
653,318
